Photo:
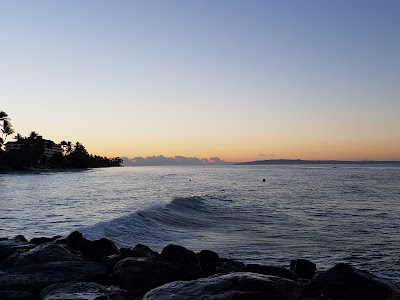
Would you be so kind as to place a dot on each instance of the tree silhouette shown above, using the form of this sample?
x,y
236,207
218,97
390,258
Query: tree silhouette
x,y
3,116
36,152
18,137
33,135
6,128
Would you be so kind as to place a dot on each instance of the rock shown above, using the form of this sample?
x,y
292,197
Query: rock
x,y
303,268
208,260
95,250
20,238
34,278
225,266
138,275
13,295
144,251
10,246
42,240
41,254
138,251
187,260
100,248
82,291
270,270
212,264
345,282
229,286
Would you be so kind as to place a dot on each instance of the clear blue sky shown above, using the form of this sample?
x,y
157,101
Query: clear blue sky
x,y
234,79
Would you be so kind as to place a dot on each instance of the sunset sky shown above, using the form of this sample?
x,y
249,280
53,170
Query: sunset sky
x,y
239,80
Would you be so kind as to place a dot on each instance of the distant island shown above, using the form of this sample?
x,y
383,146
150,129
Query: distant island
x,y
161,160
317,162
33,152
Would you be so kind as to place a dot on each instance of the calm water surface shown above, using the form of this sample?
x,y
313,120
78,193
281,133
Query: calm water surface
x,y
328,214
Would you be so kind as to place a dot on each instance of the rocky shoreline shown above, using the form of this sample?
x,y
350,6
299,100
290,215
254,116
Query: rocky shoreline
x,y
76,268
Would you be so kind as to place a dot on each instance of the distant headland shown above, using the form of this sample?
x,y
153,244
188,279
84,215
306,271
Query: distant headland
x,y
318,162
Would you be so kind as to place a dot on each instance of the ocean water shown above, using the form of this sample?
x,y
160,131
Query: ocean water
x,y
328,214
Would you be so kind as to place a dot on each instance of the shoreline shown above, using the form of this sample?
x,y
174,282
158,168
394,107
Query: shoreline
x,y
74,267
56,170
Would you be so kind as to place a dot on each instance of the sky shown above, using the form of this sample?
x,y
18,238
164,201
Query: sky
x,y
238,80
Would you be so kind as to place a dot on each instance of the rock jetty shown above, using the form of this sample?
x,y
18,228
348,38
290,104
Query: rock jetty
x,y
74,267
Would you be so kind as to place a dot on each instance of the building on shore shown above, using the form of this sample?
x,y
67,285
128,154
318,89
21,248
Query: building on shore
x,y
49,147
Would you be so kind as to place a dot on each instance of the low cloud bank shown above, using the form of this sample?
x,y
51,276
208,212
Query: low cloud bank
x,y
171,161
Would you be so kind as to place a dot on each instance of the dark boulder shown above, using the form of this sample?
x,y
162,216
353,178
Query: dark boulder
x,y
229,286
95,250
212,264
13,295
208,260
270,270
187,260
41,254
226,265
144,251
141,274
34,278
10,246
345,282
42,240
138,275
138,251
82,291
303,268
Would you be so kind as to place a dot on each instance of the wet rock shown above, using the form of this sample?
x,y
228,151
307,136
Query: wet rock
x,y
42,253
42,240
229,286
212,264
144,251
225,266
13,295
208,261
141,274
82,291
34,278
95,250
138,251
138,275
303,268
270,270
10,246
187,260
346,282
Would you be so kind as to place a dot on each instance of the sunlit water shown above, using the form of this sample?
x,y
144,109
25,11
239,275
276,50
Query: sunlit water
x,y
327,214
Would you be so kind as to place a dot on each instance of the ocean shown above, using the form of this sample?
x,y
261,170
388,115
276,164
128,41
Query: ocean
x,y
325,213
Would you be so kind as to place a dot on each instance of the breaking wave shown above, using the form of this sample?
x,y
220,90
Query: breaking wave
x,y
180,220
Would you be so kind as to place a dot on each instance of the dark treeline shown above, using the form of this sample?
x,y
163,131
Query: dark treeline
x,y
35,152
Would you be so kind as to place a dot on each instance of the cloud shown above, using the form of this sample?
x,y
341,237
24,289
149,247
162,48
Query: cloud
x,y
171,161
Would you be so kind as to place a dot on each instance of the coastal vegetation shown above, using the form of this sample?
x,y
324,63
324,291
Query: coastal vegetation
x,y
34,151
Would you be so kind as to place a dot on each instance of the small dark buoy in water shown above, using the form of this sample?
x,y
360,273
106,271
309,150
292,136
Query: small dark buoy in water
x,y
264,180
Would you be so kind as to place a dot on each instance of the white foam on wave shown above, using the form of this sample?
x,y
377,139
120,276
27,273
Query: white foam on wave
x,y
158,224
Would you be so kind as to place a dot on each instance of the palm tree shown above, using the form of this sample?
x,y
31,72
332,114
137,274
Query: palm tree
x,y
18,137
6,128
3,116
67,147
33,135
